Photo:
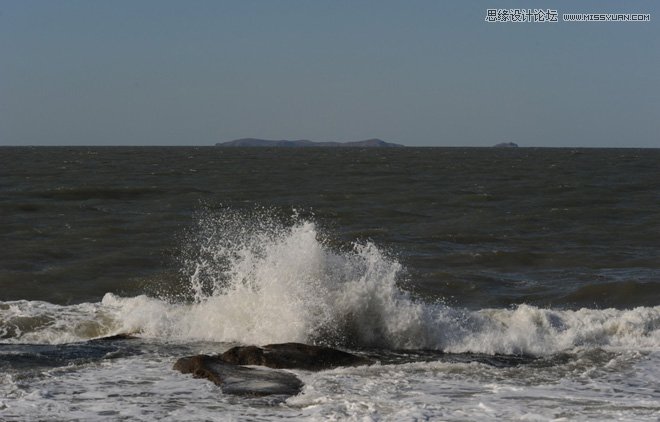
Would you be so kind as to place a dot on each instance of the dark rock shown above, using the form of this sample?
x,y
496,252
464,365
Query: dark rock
x,y
239,380
121,336
226,371
293,356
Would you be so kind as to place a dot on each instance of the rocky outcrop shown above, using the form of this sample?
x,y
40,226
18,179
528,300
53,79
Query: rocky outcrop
x,y
115,337
228,372
293,356
239,380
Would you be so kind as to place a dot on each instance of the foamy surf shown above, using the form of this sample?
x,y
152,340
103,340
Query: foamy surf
x,y
269,282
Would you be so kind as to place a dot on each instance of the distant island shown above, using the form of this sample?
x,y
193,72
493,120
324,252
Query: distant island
x,y
254,142
506,145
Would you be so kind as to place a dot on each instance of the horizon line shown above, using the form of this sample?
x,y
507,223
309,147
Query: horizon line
x,y
318,147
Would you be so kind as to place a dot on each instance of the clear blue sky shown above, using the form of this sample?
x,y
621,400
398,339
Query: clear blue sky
x,y
426,73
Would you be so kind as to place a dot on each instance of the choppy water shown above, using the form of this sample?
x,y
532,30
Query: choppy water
x,y
536,271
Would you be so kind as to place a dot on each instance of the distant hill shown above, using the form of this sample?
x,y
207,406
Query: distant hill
x,y
254,142
506,145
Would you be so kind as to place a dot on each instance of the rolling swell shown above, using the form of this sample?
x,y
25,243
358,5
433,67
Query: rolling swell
x,y
616,294
90,192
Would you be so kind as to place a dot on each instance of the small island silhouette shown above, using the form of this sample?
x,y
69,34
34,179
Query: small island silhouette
x,y
255,142
506,145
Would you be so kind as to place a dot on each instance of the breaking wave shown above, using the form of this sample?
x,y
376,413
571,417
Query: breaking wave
x,y
255,279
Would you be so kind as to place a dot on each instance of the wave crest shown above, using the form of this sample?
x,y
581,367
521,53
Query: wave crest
x,y
253,278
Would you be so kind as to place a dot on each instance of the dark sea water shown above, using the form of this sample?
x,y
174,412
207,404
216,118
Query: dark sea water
x,y
551,254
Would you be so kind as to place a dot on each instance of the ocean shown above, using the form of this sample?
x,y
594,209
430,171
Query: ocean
x,y
486,283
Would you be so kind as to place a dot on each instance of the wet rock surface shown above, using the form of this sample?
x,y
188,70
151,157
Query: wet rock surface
x,y
293,356
228,372
239,380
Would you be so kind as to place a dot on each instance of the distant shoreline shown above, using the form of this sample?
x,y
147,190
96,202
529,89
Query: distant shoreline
x,y
304,143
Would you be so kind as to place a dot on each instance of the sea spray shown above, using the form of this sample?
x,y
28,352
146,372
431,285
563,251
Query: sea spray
x,y
260,279
257,278
38,322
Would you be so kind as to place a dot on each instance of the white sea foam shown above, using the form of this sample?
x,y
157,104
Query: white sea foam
x,y
25,321
144,387
270,282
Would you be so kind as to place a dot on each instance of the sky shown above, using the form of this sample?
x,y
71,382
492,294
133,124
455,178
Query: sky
x,y
419,73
